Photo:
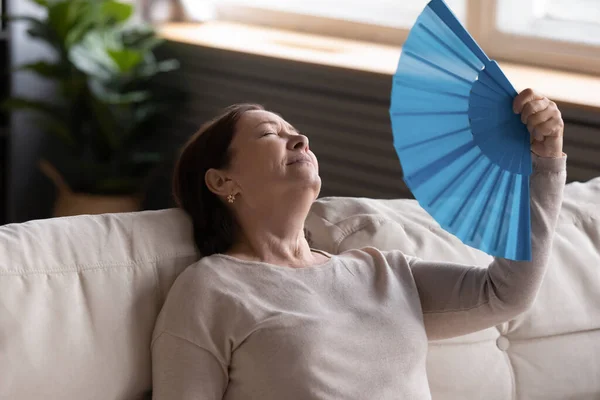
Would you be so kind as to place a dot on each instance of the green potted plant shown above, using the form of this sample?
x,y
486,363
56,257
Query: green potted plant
x,y
105,112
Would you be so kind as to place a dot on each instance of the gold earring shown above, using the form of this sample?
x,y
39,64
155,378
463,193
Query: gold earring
x,y
231,198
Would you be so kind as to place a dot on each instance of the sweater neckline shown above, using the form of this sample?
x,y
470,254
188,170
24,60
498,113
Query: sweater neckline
x,y
329,262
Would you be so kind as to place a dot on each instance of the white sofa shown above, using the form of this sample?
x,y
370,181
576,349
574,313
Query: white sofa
x,y
79,297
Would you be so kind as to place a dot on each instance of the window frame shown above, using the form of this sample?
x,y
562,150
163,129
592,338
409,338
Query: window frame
x,y
311,24
523,49
480,22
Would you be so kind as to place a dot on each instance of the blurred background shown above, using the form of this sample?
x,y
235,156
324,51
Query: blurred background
x,y
98,96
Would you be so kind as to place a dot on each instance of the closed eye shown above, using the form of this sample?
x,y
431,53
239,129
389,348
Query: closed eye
x,y
268,133
296,131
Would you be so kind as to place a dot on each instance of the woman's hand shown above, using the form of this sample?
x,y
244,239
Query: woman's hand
x,y
544,122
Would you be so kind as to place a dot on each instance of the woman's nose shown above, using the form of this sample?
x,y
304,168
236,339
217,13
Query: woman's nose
x,y
298,142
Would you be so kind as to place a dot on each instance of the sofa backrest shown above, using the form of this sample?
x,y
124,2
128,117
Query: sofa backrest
x,y
79,297
550,352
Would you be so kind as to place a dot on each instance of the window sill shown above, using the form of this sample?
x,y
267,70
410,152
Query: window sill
x,y
568,88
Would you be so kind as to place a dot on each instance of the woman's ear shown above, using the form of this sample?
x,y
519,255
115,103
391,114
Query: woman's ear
x,y
218,183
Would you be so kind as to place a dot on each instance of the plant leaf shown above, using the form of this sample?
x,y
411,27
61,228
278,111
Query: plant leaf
x,y
73,87
151,70
16,18
78,32
148,44
106,122
41,32
47,3
147,111
54,121
19,103
141,37
126,59
44,68
91,55
60,130
36,29
168,65
131,97
117,98
116,12
65,16
42,2
60,17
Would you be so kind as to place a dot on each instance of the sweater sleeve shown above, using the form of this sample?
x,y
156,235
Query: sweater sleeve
x,y
181,370
459,299
191,343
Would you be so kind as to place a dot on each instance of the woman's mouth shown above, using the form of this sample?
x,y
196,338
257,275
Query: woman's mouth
x,y
300,160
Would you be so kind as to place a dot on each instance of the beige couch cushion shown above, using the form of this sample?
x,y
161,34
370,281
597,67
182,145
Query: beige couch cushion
x,y
551,352
79,297
78,300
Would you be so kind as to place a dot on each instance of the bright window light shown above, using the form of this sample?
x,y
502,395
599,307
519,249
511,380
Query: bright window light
x,y
389,13
563,20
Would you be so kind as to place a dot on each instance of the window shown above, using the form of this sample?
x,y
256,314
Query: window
x,y
389,13
381,21
576,21
586,11
555,33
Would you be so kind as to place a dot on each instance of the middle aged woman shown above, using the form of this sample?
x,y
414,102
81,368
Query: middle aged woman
x,y
264,316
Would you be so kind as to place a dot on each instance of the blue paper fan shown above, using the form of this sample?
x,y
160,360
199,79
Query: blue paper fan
x,y
464,153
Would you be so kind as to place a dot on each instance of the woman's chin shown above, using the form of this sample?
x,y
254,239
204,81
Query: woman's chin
x,y
309,181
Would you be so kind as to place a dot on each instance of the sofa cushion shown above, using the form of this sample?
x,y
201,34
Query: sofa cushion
x,y
79,297
550,352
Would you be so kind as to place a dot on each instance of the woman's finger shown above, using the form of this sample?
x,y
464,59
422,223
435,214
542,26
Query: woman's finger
x,y
523,98
537,119
550,127
534,106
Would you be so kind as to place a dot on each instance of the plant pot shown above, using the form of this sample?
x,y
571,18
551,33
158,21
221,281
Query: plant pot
x,y
69,203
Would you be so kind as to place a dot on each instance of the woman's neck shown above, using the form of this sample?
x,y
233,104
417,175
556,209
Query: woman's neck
x,y
274,236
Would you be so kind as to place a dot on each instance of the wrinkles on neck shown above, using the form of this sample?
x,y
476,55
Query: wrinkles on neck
x,y
273,233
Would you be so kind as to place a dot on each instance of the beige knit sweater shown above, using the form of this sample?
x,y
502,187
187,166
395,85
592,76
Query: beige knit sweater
x,y
355,327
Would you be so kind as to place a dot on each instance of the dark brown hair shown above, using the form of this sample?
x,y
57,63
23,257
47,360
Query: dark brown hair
x,y
208,148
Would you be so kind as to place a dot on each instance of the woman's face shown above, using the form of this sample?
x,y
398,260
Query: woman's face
x,y
271,158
